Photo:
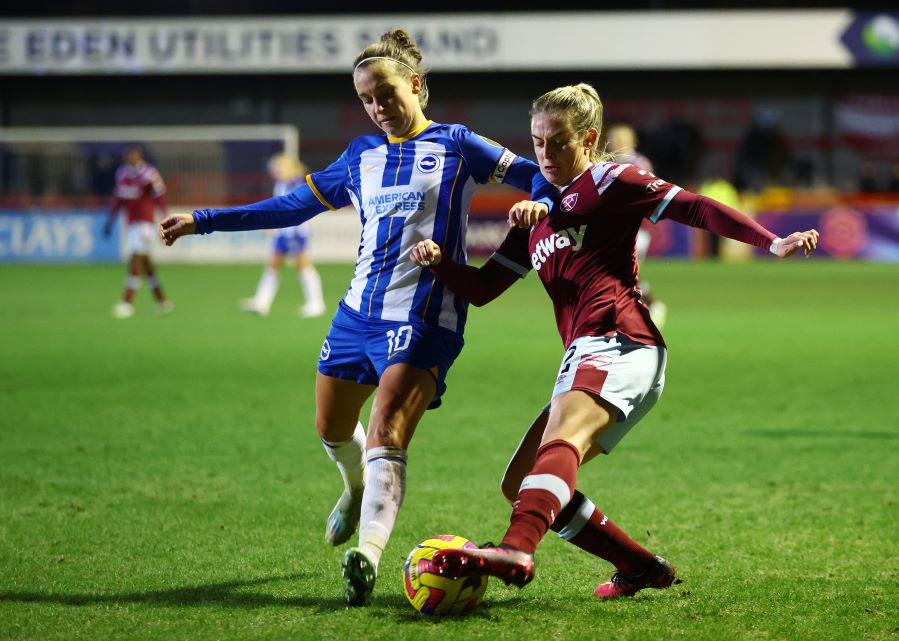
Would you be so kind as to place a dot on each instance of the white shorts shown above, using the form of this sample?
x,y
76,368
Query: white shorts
x,y
140,237
622,372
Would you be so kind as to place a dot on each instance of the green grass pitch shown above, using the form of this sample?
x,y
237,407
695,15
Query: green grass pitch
x,y
160,478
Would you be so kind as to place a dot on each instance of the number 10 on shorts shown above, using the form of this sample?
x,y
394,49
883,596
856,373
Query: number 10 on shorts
x,y
398,340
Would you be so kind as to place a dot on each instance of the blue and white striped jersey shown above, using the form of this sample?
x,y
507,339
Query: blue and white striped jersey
x,y
405,190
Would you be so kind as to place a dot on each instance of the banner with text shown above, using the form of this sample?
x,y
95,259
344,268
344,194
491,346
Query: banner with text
x,y
832,38
71,236
76,235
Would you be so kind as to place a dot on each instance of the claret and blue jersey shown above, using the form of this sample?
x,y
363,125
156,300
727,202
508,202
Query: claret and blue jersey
x,y
405,190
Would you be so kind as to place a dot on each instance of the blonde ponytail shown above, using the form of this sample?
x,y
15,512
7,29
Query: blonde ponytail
x,y
579,106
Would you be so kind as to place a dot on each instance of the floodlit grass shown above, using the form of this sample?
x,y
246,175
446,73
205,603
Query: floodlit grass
x,y
160,478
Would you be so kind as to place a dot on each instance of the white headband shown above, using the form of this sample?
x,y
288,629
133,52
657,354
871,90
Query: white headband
x,y
399,62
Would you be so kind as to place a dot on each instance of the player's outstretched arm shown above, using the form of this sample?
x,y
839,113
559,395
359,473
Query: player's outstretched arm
x,y
175,226
786,247
477,285
705,213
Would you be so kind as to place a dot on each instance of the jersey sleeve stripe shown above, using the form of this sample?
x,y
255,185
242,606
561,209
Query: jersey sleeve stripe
x,y
318,194
606,175
599,171
510,264
660,208
498,175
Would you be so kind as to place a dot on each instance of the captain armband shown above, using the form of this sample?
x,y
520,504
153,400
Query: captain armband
x,y
502,166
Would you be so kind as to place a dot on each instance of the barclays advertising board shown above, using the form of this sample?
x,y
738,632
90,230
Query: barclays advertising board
x,y
69,236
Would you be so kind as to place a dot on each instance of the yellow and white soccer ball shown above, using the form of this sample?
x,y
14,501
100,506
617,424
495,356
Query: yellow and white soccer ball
x,y
430,593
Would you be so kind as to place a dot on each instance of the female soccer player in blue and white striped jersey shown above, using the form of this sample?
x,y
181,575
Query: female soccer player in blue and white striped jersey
x,y
397,330
289,242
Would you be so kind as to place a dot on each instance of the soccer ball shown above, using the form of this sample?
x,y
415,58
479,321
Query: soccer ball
x,y
430,593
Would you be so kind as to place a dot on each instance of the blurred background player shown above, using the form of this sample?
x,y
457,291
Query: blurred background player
x,y
719,188
621,144
139,189
288,173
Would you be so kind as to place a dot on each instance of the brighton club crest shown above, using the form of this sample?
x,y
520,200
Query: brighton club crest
x,y
569,202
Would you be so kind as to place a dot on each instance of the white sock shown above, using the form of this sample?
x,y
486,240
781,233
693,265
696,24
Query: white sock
x,y
312,287
267,288
381,501
350,459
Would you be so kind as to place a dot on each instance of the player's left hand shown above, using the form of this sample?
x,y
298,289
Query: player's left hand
x,y
426,253
805,240
175,226
107,230
527,213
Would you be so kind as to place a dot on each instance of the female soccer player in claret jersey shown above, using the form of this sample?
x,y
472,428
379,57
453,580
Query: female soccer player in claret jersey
x,y
139,189
613,369
397,330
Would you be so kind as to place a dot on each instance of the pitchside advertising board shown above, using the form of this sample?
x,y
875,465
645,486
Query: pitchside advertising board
x,y
461,42
73,236
76,236
56,237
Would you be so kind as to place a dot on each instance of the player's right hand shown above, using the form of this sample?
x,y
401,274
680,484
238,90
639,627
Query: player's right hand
x,y
527,213
175,226
804,240
426,253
